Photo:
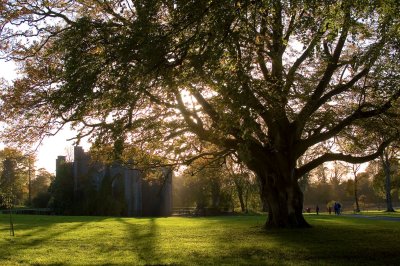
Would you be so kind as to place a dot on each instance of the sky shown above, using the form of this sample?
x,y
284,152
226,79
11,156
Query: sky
x,y
52,146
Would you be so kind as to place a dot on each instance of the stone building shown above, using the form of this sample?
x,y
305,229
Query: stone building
x,y
141,196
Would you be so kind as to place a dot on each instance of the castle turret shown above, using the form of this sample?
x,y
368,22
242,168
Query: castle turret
x,y
59,162
81,165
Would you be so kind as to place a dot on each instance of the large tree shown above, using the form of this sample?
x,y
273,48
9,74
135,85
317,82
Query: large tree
x,y
267,80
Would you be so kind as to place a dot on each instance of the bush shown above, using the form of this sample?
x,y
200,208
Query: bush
x,y
41,200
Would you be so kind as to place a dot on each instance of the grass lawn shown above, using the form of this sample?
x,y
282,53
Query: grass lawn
x,y
235,240
379,213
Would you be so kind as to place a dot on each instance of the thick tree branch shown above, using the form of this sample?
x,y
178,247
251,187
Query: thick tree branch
x,y
356,115
300,60
198,129
262,64
340,89
109,9
206,105
214,155
344,87
261,50
309,107
277,45
262,111
329,157
292,25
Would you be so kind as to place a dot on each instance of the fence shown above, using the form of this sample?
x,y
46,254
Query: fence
x,y
39,211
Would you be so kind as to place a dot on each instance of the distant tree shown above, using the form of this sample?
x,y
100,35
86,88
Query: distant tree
x,y
362,199
267,80
245,182
7,200
7,188
242,184
319,189
365,189
207,185
337,173
355,169
22,167
40,188
380,179
388,154
321,174
41,182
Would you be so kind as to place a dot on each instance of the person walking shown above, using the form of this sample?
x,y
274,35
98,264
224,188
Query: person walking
x,y
339,207
317,209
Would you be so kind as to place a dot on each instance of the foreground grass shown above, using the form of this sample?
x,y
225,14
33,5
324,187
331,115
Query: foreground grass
x,y
216,240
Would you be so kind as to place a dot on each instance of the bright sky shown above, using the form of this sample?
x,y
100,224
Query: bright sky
x,y
51,146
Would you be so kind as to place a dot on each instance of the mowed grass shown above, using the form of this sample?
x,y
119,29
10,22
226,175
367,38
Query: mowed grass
x,y
380,213
235,240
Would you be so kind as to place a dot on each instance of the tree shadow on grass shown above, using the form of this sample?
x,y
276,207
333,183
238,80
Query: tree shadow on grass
x,y
23,219
331,241
143,237
31,225
33,232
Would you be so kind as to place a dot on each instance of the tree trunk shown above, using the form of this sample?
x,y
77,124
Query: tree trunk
x,y
246,201
11,224
239,190
356,194
386,167
279,187
215,194
285,202
242,204
263,197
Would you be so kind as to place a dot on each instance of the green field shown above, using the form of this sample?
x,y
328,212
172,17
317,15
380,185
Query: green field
x,y
235,240
380,213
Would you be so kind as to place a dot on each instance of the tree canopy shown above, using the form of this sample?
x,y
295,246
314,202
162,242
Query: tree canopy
x,y
15,169
269,81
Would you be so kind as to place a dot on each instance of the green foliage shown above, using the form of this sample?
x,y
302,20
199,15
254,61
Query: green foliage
x,y
205,184
7,198
133,63
379,180
325,191
41,200
211,183
14,173
62,190
130,155
41,183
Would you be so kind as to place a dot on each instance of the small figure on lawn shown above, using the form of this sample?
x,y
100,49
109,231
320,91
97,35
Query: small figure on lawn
x,y
317,209
337,208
